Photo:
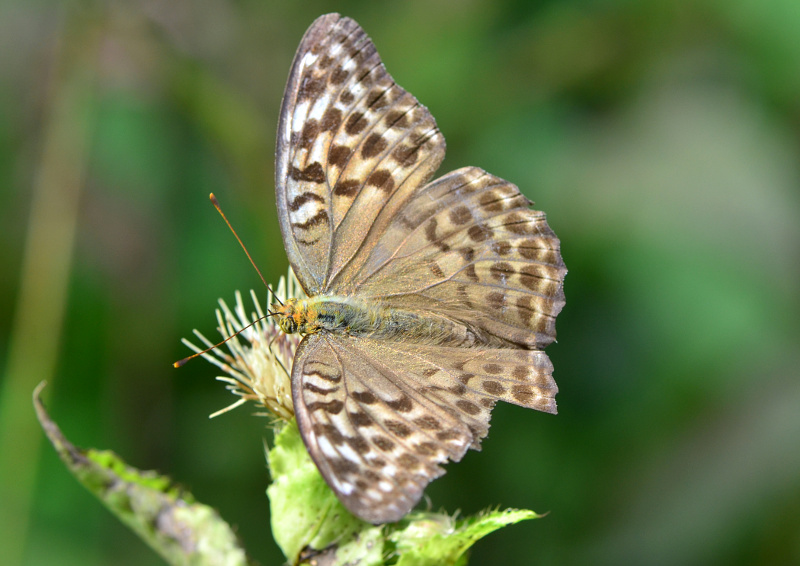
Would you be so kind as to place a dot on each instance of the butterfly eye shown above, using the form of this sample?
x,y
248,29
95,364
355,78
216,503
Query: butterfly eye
x,y
288,325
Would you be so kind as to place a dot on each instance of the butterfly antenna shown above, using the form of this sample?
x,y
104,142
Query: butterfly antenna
x,y
180,363
215,202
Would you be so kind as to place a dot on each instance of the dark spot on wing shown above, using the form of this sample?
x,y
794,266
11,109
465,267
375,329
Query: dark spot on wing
x,y
383,443
365,397
446,435
331,120
430,235
465,378
493,387
396,119
300,200
329,431
501,270
320,217
346,187
398,428
408,461
496,300
426,448
309,134
332,407
479,233
382,178
342,467
493,368
376,99
460,215
310,87
436,270
311,174
360,418
355,124
491,201
401,405
319,390
358,443
339,155
457,389
373,146
467,253
405,155
427,423
522,393
501,248
468,407
339,76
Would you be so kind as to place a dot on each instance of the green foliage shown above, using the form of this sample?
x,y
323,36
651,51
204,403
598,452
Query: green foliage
x,y
308,520
429,539
165,516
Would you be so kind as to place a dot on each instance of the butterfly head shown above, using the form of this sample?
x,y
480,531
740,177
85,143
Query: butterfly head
x,y
296,316
289,315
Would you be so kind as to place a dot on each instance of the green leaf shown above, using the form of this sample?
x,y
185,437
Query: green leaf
x,y
438,539
164,515
366,549
306,515
309,522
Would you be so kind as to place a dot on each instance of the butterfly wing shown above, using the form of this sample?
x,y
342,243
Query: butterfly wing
x,y
469,247
349,142
379,417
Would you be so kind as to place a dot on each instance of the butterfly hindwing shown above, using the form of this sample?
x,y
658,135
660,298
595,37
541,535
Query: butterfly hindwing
x,y
469,246
349,141
358,422
379,418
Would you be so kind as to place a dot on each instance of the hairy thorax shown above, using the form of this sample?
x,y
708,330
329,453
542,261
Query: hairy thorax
x,y
370,319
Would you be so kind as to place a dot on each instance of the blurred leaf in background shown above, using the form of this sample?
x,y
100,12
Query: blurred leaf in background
x,y
661,137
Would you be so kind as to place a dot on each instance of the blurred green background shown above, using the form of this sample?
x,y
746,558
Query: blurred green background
x,y
662,138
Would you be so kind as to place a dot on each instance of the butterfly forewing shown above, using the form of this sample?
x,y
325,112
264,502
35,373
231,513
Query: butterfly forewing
x,y
349,140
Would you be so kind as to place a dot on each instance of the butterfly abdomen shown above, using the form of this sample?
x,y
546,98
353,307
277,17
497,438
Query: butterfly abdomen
x,y
371,319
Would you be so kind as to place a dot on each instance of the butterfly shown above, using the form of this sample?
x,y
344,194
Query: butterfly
x,y
428,302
